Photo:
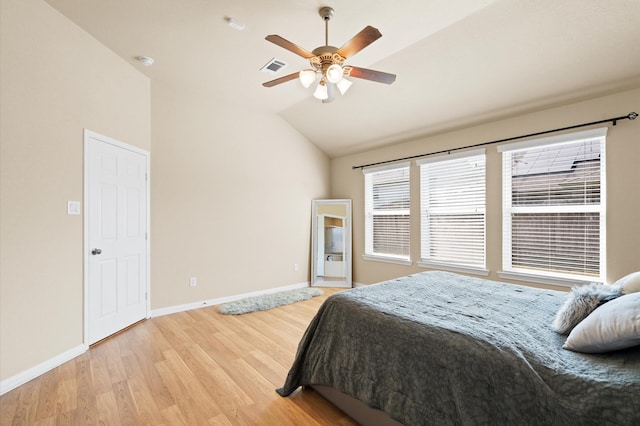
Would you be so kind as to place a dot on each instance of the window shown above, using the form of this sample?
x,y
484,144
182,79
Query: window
x,y
554,206
387,213
452,211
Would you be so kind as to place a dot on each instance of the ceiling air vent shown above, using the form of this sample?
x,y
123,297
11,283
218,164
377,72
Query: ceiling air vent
x,y
273,66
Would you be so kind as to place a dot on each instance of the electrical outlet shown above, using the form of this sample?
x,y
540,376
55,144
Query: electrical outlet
x,y
193,281
295,267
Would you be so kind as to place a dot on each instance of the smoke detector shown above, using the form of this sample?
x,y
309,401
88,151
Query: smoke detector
x,y
146,61
233,23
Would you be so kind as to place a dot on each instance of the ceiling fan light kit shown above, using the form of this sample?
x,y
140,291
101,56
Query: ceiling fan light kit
x,y
327,62
307,77
343,85
321,91
334,73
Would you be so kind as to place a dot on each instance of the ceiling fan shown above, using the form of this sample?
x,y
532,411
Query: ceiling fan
x,y
327,62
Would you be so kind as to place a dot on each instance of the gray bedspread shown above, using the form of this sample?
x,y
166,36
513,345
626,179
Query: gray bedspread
x,y
438,348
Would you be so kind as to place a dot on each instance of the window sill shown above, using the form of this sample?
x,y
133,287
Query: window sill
x,y
453,268
396,260
544,279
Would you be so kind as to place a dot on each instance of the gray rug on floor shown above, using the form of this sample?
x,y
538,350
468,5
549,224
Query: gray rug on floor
x,y
268,301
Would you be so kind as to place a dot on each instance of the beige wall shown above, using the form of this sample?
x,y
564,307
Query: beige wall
x,y
217,173
231,195
231,189
55,80
623,182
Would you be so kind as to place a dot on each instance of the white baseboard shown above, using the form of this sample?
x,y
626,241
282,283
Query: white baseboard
x,y
187,307
33,372
355,284
30,374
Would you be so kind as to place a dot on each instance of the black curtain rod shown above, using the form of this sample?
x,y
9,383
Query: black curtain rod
x,y
630,116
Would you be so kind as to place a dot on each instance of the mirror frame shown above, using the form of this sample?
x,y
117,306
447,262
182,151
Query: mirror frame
x,y
347,256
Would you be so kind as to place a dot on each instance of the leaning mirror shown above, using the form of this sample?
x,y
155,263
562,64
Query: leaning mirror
x,y
331,243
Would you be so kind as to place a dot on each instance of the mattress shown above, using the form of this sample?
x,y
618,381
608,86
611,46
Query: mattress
x,y
447,349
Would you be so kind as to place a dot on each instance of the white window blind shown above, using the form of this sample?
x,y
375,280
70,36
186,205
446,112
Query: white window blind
x,y
387,206
554,206
452,204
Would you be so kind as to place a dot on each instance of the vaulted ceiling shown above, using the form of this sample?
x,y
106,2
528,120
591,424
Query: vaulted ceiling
x,y
458,62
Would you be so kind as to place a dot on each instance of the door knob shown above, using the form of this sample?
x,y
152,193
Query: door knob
x,y
96,251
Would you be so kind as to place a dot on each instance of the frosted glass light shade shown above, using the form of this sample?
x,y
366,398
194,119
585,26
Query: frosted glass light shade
x,y
321,92
343,85
307,77
334,73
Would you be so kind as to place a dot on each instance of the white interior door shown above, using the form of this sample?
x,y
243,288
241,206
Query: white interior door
x,y
116,243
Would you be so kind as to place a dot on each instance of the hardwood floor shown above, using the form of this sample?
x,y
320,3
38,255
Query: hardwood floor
x,y
191,368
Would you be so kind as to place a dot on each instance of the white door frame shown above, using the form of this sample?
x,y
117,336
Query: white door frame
x,y
88,134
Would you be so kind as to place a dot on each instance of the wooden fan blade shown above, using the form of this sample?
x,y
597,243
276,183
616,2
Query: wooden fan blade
x,y
281,80
359,42
377,76
276,39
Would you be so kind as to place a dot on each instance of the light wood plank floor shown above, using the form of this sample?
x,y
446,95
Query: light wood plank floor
x,y
191,368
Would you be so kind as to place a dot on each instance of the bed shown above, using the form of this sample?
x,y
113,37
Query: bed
x,y
440,348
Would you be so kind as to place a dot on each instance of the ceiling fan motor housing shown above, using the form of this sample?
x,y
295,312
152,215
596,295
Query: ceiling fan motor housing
x,y
325,56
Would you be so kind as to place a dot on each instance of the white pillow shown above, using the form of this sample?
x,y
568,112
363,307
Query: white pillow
x,y
629,283
612,326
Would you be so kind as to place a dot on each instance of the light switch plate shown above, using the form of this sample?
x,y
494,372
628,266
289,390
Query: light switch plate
x,y
73,207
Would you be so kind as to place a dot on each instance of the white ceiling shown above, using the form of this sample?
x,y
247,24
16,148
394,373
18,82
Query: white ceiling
x,y
458,62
